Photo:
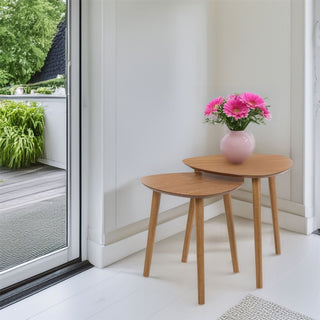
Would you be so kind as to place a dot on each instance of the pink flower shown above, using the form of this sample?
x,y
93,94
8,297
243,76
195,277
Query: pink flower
x,y
213,106
253,100
236,108
266,113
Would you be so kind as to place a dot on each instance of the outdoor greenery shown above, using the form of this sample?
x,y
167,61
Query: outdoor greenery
x,y
43,90
27,28
6,91
21,133
49,84
53,83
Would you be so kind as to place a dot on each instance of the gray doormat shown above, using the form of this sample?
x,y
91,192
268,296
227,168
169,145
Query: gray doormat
x,y
254,308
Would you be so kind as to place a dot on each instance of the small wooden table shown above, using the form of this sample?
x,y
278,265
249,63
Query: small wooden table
x,y
196,186
257,166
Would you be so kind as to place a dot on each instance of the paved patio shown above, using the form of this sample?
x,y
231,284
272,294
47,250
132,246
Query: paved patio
x,y
32,213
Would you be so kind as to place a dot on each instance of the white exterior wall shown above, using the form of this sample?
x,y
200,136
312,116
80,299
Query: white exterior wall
x,y
149,68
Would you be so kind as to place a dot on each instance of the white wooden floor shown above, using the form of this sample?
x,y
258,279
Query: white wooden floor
x,y
120,292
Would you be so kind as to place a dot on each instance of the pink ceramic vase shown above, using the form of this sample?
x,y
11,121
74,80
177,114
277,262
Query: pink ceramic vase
x,y
237,146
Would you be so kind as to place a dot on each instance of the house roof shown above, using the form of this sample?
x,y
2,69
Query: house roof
x,y
55,62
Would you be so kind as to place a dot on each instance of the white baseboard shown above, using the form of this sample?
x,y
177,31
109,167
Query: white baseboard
x,y
104,255
283,205
287,220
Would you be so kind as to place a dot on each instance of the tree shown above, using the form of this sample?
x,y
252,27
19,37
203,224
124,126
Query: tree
x,y
27,28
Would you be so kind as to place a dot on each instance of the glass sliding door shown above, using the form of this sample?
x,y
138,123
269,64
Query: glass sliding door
x,y
40,201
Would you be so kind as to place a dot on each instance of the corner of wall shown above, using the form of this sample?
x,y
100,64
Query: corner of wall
x,y
287,220
104,255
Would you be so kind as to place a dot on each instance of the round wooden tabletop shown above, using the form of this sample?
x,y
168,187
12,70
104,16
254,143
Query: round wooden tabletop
x,y
256,166
191,185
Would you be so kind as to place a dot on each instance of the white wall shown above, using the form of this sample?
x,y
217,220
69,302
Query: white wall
x,y
145,67
258,46
149,69
251,49
160,90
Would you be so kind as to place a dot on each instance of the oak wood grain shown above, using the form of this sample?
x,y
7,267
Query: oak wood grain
x,y
187,237
231,233
152,231
256,188
256,166
200,249
274,210
191,185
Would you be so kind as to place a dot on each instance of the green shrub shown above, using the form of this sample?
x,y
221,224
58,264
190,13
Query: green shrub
x,y
52,83
43,90
26,90
5,91
21,133
4,77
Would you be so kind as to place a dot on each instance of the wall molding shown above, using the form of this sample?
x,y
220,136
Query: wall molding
x,y
287,220
104,255
165,216
297,102
283,204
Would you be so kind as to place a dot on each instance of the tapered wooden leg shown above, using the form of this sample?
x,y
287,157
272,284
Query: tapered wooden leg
x,y
256,189
232,237
187,236
200,249
152,231
274,209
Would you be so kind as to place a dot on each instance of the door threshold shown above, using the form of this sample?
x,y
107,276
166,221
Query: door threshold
x,y
317,232
28,287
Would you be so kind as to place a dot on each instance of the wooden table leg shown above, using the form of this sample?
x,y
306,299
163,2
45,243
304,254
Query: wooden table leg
x,y
256,189
200,249
232,237
274,209
187,236
152,231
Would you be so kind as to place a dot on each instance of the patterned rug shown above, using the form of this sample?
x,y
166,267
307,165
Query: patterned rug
x,y
254,308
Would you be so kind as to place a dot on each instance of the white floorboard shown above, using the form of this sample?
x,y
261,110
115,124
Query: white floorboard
x,y
120,292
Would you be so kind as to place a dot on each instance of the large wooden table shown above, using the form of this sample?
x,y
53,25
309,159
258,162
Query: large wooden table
x,y
257,166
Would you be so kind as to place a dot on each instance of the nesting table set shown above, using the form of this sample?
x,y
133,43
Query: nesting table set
x,y
214,175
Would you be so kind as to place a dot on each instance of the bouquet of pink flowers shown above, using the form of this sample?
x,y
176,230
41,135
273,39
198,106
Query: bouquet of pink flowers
x,y
237,111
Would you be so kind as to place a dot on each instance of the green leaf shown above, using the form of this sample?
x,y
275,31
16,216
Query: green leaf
x,y
27,28
21,133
